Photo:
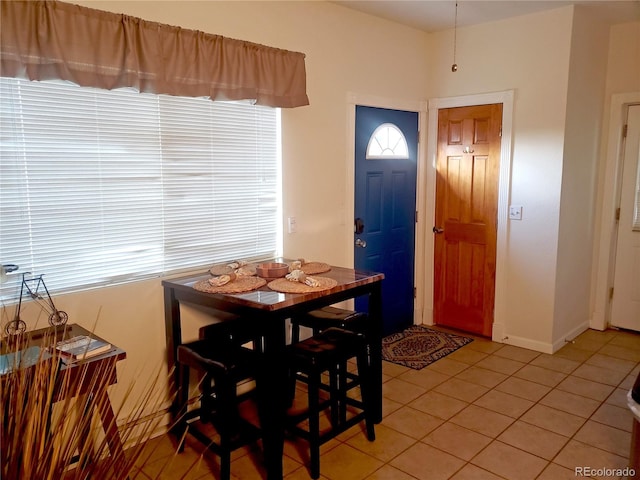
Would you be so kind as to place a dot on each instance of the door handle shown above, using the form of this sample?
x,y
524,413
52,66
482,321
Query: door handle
x,y
361,243
438,230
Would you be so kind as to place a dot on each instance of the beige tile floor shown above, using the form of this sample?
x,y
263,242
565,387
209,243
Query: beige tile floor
x,y
487,411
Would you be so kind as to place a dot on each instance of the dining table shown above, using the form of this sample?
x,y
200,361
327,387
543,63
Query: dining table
x,y
265,312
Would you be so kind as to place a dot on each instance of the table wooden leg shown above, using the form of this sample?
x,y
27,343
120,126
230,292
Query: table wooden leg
x,y
173,333
111,432
272,400
375,314
86,453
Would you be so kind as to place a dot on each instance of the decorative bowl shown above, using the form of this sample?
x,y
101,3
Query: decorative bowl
x,y
272,270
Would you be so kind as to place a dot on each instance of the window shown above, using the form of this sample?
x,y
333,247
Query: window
x,y
387,141
100,187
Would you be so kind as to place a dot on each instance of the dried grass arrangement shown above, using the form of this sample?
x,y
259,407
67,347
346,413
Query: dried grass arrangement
x,y
47,429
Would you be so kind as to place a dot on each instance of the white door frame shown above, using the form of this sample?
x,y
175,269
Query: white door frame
x,y
605,255
354,99
500,320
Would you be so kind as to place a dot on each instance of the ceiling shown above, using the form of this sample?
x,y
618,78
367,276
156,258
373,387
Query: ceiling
x,y
436,15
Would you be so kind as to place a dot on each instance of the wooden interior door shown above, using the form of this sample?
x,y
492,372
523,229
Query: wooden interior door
x,y
466,217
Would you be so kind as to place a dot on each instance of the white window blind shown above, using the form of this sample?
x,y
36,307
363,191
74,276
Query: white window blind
x,y
100,187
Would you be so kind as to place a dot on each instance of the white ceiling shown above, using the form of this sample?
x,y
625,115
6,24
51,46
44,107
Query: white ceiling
x,y
435,15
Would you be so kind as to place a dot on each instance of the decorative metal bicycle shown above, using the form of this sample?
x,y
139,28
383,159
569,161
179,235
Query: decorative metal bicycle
x,y
35,287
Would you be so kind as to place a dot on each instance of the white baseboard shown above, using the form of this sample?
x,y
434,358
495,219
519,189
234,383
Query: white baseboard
x,y
538,346
497,332
527,343
598,321
569,336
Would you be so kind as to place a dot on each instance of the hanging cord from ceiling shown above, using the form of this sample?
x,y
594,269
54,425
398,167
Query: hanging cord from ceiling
x,y
454,66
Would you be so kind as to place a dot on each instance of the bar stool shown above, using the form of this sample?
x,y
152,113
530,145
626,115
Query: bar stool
x,y
327,317
225,364
321,319
328,351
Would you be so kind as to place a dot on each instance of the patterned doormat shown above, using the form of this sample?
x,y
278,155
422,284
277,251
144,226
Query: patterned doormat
x,y
418,346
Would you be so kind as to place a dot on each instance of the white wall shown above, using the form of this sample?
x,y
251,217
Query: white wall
x,y
529,54
345,52
623,72
585,102
623,79
563,76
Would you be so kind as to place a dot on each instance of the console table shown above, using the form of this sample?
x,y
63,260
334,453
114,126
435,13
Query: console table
x,y
86,378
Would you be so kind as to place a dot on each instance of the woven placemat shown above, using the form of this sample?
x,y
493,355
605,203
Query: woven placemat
x,y
239,285
226,269
283,285
313,268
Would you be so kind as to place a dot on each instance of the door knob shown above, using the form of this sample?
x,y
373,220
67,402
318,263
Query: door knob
x,y
438,230
361,243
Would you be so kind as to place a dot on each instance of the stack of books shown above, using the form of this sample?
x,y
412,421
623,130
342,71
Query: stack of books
x,y
81,347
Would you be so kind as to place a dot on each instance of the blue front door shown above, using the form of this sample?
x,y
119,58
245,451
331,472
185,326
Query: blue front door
x,y
385,207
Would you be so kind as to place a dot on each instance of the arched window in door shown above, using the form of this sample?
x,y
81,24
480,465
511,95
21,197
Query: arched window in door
x,y
387,141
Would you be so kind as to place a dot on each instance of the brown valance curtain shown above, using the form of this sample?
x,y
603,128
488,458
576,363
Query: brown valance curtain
x,y
44,40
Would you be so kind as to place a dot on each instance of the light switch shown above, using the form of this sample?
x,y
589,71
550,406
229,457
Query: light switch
x,y
515,212
291,223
